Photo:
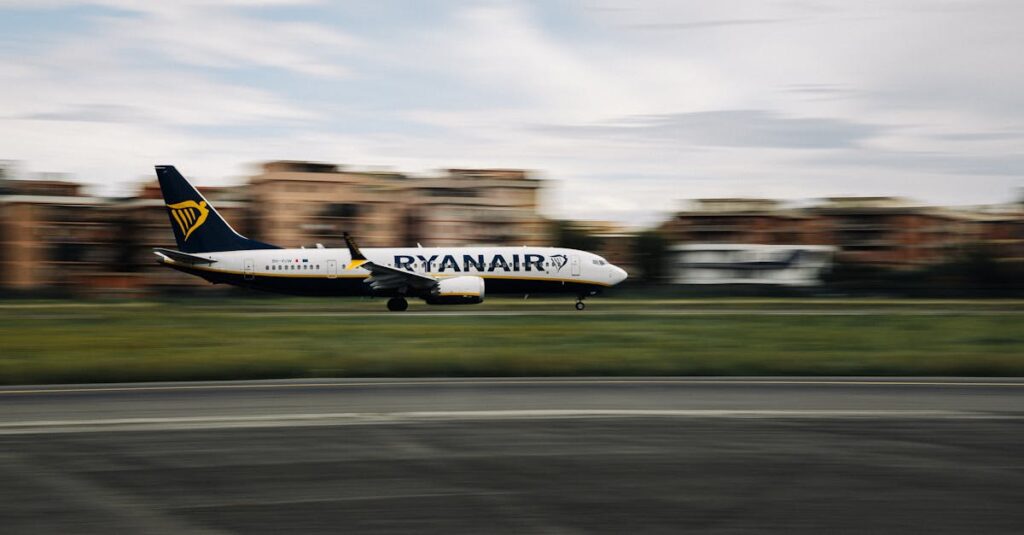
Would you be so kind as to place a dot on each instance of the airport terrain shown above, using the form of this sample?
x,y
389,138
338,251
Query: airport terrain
x,y
70,342
516,455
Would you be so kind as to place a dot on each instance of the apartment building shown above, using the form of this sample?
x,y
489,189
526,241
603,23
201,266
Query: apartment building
x,y
895,232
295,204
743,220
304,203
475,207
55,236
52,235
1002,228
890,232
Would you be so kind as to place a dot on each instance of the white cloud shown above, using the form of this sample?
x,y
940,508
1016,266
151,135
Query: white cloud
x,y
154,96
534,75
645,104
214,35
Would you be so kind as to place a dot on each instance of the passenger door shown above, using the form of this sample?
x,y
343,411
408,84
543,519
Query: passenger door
x,y
250,268
575,265
332,269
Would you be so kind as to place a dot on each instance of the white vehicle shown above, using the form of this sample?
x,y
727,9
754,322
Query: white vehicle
x,y
209,248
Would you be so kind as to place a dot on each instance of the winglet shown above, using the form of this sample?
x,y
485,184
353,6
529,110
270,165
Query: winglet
x,y
357,256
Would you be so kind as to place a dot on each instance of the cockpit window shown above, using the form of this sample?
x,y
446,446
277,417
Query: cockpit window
x,y
600,262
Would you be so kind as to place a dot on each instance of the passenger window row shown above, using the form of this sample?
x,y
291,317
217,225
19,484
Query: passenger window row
x,y
292,267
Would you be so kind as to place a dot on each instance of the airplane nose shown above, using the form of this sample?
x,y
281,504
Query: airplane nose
x,y
618,275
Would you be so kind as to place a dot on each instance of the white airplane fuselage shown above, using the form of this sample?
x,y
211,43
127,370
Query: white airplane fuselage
x,y
323,271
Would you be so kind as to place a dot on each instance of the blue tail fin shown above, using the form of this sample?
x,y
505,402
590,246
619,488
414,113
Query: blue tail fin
x,y
197,226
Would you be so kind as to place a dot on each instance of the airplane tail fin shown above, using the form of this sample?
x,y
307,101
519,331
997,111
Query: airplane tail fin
x,y
197,226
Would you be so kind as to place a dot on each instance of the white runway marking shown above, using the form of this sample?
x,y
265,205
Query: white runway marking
x,y
620,312
353,418
611,312
87,389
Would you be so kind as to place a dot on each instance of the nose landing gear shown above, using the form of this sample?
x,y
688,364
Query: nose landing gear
x,y
397,304
579,304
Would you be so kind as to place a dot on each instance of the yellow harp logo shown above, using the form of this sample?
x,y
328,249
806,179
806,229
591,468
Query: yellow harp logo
x,y
189,215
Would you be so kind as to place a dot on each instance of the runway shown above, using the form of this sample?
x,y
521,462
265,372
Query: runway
x,y
596,311
660,455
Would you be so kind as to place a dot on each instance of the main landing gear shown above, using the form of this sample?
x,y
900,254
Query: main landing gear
x,y
397,304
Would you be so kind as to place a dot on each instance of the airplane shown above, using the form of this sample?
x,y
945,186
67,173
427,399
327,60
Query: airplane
x,y
209,248
753,265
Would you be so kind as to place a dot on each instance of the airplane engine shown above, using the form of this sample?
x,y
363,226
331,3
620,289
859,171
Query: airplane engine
x,y
465,290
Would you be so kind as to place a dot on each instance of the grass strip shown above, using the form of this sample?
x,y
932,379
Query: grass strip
x,y
197,341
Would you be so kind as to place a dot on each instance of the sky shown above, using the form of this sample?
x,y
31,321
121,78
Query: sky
x,y
629,108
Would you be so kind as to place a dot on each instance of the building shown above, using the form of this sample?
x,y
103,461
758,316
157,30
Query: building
x,y
888,232
54,236
737,220
729,263
1002,229
897,233
475,207
304,203
295,204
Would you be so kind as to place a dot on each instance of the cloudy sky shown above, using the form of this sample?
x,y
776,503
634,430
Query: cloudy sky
x,y
629,107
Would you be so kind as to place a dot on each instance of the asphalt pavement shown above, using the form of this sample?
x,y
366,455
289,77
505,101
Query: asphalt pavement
x,y
666,455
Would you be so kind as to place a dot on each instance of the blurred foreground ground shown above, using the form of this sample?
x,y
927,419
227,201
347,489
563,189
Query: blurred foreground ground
x,y
781,455
70,342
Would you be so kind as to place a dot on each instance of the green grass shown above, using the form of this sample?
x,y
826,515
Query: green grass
x,y
46,342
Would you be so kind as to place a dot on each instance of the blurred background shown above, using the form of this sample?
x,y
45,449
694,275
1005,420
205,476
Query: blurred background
x,y
742,145
820,204
58,239
818,151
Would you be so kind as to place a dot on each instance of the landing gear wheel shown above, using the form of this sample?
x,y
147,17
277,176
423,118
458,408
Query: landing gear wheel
x,y
397,304
580,305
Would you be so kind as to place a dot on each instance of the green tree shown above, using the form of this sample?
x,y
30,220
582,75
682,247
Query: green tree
x,y
4,172
978,267
567,235
651,250
126,245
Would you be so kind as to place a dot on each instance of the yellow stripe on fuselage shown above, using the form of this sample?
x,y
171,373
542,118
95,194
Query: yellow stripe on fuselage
x,y
363,276
355,264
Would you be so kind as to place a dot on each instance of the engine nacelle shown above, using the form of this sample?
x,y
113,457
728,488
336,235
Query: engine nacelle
x,y
457,291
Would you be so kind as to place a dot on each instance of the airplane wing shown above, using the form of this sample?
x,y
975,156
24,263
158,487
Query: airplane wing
x,y
384,277
182,258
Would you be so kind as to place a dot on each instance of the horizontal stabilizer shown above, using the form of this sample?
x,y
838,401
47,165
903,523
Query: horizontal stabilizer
x,y
182,258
